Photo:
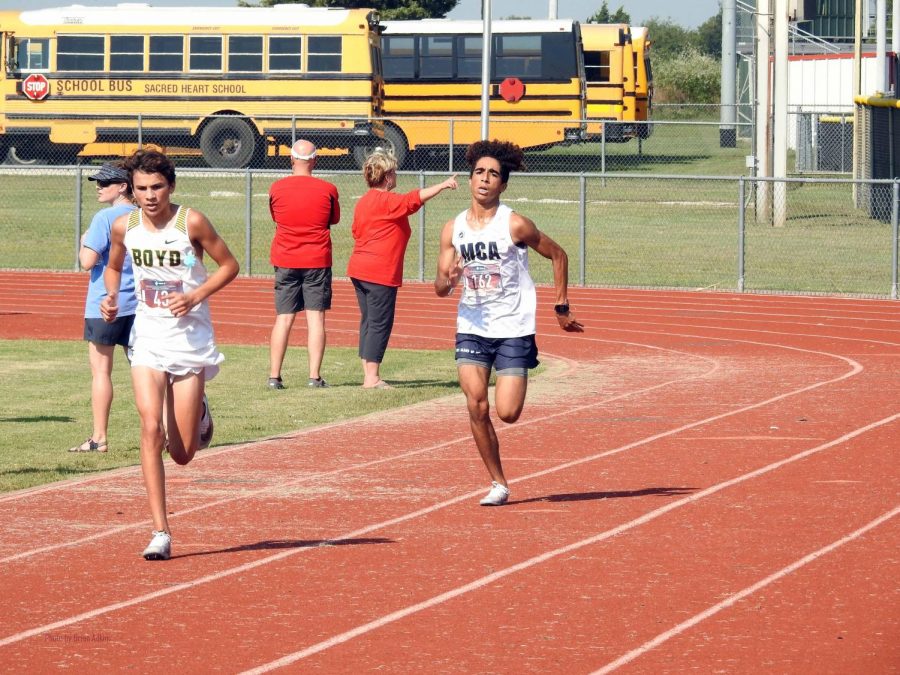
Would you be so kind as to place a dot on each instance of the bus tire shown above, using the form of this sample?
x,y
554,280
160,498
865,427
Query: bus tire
x,y
393,139
228,143
27,153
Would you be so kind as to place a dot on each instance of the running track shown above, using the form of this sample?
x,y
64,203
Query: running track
x,y
700,482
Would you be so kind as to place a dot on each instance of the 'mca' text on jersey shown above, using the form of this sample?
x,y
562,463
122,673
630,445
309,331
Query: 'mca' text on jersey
x,y
155,258
479,251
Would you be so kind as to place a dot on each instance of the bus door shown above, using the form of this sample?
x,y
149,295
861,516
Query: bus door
x,y
607,76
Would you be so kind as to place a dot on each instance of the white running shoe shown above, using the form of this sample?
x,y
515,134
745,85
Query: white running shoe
x,y
497,496
206,424
159,548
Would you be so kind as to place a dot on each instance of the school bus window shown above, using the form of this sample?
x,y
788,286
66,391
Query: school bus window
x,y
518,56
79,52
324,54
398,54
166,53
245,53
32,54
284,53
126,52
206,53
560,60
596,66
469,61
436,57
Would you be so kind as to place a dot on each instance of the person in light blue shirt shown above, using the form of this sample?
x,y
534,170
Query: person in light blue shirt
x,y
113,188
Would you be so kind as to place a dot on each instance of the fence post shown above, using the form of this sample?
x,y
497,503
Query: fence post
x,y
293,129
421,232
582,223
248,234
895,207
450,145
741,233
603,151
140,138
78,216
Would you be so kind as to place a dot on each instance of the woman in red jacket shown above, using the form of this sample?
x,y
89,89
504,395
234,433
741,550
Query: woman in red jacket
x,y
381,232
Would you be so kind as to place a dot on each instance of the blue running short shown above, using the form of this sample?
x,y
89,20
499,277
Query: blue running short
x,y
510,356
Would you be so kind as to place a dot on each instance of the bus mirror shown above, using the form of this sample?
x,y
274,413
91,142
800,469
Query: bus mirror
x,y
10,49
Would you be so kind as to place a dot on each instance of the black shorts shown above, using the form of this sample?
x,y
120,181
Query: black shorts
x,y
303,288
510,356
117,332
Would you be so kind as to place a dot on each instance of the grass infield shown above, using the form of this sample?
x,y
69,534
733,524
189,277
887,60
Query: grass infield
x,y
47,409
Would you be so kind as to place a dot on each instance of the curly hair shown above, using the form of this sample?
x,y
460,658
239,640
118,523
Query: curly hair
x,y
151,161
509,155
378,165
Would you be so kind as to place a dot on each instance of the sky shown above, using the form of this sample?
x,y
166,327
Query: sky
x,y
687,14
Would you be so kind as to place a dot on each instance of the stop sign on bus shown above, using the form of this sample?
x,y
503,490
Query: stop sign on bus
x,y
36,87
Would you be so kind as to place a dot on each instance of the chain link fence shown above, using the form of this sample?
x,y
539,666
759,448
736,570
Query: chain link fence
x,y
811,235
425,144
824,142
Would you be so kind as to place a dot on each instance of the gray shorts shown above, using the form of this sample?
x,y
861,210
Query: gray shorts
x,y
303,288
115,332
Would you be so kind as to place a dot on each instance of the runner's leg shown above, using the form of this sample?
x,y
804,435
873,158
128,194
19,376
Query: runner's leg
x,y
474,383
149,395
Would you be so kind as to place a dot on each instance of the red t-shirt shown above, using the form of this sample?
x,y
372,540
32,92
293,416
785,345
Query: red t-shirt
x,y
303,208
381,232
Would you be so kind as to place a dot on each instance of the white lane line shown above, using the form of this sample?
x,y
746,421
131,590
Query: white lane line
x,y
856,368
352,467
39,630
548,555
732,599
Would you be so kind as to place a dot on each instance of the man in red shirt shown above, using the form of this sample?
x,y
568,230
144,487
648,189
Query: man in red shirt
x,y
304,208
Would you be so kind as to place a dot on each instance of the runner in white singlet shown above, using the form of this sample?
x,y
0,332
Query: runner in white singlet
x,y
173,351
165,262
485,251
497,294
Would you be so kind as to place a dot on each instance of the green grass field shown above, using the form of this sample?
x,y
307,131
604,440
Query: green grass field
x,y
659,225
47,410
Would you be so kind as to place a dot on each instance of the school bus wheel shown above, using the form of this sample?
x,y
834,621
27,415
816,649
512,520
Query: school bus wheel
x,y
394,140
228,143
26,151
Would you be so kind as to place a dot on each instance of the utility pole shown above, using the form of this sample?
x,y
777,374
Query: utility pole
x,y
485,68
728,97
779,125
763,114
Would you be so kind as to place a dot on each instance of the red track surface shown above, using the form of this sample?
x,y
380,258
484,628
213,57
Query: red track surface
x,y
703,482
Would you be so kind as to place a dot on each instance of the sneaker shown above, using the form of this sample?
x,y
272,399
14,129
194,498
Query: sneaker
x,y
275,383
206,425
159,548
316,383
497,496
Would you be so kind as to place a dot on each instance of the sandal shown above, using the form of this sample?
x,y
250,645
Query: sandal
x,y
90,445
381,384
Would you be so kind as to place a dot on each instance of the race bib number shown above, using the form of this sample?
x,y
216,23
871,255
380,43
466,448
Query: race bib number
x,y
482,281
155,292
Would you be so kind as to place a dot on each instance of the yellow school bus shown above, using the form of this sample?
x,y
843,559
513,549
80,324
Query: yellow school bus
x,y
618,80
225,81
643,79
432,74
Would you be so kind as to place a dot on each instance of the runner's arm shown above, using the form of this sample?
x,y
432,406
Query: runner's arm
x,y
525,231
204,236
448,270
